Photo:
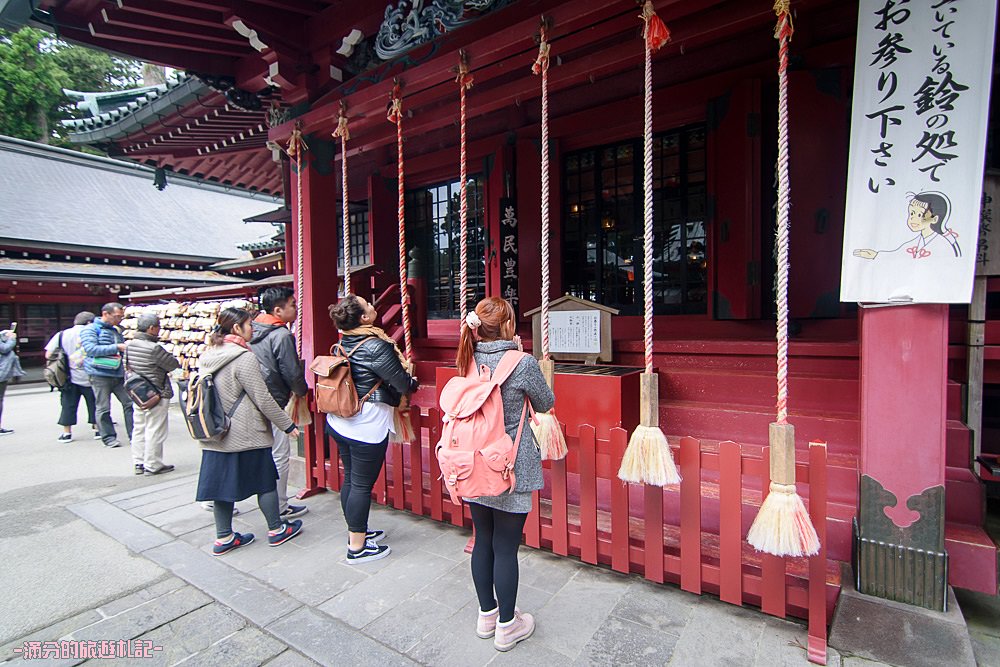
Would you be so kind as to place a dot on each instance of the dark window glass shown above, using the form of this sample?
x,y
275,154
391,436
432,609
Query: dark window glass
x,y
360,250
603,216
433,229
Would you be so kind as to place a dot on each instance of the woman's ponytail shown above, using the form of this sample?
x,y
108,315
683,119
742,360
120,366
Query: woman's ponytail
x,y
466,348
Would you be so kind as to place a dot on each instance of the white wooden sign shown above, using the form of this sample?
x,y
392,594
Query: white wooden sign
x,y
576,331
918,140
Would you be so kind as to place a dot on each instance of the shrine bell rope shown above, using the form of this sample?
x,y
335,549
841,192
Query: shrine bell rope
x,y
296,146
403,426
298,408
344,134
647,458
782,526
464,80
546,427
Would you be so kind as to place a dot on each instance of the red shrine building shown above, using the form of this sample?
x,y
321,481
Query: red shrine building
x,y
899,490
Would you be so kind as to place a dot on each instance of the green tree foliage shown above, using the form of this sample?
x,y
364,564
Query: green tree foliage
x,y
34,70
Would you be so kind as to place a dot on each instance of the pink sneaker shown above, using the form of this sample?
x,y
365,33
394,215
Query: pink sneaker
x,y
518,629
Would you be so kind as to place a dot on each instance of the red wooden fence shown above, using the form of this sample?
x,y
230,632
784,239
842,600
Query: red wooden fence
x,y
691,536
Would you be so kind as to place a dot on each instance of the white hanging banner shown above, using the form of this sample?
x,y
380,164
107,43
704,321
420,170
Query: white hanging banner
x,y
918,141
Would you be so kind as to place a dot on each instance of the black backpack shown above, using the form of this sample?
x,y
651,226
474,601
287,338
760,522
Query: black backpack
x,y
56,371
206,420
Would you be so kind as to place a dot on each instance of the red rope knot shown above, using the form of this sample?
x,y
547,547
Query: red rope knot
x,y
342,130
655,31
462,76
784,28
394,111
541,63
296,144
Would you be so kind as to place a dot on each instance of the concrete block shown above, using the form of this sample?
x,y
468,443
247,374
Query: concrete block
x,y
898,633
188,635
454,642
145,617
247,648
547,571
719,634
331,642
621,642
369,599
569,620
290,658
152,488
134,533
240,592
661,607
403,626
141,596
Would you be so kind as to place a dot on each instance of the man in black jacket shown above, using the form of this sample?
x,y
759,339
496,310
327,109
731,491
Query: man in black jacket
x,y
274,346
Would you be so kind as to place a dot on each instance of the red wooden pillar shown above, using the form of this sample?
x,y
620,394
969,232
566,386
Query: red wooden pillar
x,y
904,356
319,212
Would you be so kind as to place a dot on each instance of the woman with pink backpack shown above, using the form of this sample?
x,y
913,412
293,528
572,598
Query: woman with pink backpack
x,y
488,333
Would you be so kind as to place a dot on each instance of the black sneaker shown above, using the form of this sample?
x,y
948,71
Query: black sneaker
x,y
239,540
161,470
65,437
375,535
288,530
6,431
111,444
293,511
139,469
97,435
370,551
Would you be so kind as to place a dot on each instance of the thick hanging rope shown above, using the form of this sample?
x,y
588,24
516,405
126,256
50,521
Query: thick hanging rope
x,y
298,407
783,526
344,134
541,67
296,146
647,458
464,81
546,427
403,425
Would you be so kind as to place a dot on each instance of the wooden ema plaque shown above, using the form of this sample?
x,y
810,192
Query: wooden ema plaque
x,y
579,330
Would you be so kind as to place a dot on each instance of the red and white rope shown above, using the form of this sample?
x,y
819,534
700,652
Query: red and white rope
x,y
344,135
541,67
647,208
396,116
783,33
295,148
464,80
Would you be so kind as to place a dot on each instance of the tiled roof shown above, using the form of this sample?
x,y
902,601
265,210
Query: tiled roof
x,y
52,195
110,107
28,269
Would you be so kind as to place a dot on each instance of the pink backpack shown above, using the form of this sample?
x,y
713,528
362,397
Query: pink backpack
x,y
475,454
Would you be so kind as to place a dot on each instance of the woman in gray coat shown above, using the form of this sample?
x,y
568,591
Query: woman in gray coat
x,y
10,368
488,333
240,465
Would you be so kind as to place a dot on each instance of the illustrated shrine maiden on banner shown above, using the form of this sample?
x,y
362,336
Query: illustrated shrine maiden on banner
x,y
918,139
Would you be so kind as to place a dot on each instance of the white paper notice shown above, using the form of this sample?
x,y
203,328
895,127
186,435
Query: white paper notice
x,y
918,139
575,331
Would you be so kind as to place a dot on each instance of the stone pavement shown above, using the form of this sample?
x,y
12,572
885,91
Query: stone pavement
x,y
100,554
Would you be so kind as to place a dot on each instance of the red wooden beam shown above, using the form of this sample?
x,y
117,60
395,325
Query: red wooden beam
x,y
160,10
147,39
219,33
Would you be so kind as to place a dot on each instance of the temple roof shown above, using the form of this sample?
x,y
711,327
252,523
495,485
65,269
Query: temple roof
x,y
60,198
113,109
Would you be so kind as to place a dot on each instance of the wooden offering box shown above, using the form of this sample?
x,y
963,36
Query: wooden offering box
x,y
603,396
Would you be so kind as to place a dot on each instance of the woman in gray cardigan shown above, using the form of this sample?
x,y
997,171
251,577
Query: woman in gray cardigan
x,y
487,333
240,465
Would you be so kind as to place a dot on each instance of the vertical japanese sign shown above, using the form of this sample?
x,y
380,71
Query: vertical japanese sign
x,y
988,252
508,252
918,140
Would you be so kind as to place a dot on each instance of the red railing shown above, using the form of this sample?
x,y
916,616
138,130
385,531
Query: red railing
x,y
691,536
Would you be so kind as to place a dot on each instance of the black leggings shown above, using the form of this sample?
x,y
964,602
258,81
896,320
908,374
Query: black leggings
x,y
223,512
362,464
494,558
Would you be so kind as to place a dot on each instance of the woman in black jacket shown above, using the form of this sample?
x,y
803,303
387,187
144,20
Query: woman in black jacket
x,y
376,367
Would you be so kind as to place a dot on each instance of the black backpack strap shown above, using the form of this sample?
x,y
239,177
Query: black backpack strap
x,y
356,347
239,399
